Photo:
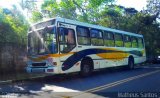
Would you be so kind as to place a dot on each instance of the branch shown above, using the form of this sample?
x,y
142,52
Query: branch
x,y
83,10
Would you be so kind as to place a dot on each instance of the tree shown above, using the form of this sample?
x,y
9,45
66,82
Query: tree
x,y
13,36
31,7
36,16
81,10
13,27
153,7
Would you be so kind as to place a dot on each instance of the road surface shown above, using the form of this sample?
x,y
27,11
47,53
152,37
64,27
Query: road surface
x,y
142,82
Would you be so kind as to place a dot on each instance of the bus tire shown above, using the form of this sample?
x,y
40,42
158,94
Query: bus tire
x,y
130,63
86,68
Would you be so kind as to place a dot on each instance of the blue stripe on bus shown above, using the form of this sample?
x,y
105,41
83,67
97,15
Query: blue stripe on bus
x,y
73,59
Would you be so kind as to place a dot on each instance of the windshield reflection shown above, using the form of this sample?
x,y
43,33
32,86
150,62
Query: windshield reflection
x,y
42,41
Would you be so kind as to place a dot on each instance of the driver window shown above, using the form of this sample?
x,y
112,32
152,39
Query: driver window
x,y
67,39
70,37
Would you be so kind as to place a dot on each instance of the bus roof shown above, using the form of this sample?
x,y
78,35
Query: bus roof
x,y
74,22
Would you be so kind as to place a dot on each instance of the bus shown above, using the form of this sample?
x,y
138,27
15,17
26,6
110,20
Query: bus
x,y
60,46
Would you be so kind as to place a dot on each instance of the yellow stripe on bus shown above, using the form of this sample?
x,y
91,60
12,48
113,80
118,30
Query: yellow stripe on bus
x,y
113,56
44,57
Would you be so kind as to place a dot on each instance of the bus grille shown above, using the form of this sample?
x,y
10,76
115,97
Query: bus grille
x,y
38,64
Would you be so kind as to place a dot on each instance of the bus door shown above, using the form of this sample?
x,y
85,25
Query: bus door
x,y
67,47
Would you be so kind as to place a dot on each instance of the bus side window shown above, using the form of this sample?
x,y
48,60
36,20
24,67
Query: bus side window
x,y
118,40
109,39
140,43
134,42
96,37
127,41
83,36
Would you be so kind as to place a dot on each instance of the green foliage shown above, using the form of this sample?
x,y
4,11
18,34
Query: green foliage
x,y
151,34
13,27
36,16
82,10
65,8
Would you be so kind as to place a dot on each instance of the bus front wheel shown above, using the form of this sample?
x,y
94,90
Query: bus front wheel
x,y
86,69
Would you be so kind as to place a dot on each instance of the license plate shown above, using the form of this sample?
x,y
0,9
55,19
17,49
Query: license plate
x,y
37,70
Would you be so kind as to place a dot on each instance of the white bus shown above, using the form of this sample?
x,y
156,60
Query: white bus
x,y
62,45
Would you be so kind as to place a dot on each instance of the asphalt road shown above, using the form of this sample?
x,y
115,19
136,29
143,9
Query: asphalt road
x,y
142,82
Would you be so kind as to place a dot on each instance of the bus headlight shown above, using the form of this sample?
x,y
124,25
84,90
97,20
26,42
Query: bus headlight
x,y
51,61
55,63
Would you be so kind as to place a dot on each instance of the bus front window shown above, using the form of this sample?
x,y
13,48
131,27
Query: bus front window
x,y
42,41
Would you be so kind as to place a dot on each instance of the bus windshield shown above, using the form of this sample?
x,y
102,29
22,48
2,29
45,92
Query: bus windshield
x,y
42,41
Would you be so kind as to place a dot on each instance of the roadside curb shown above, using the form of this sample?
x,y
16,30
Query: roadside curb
x,y
18,80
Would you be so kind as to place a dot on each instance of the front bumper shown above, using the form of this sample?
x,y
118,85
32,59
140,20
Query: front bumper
x,y
41,69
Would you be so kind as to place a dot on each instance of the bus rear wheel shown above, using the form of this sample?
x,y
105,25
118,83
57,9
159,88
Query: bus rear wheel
x,y
86,69
130,64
